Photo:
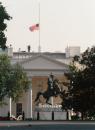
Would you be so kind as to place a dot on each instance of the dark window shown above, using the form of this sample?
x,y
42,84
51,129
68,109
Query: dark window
x,y
18,109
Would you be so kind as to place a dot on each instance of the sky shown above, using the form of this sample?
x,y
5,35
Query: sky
x,y
62,23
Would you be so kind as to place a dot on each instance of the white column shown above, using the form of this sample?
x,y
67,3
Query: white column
x,y
69,114
10,106
31,103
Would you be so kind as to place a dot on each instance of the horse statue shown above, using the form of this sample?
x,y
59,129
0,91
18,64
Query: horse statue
x,y
53,89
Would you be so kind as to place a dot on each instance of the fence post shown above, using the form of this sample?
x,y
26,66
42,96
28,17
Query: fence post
x,y
52,115
38,115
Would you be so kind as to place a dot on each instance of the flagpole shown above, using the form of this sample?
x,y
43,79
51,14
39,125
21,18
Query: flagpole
x,y
39,48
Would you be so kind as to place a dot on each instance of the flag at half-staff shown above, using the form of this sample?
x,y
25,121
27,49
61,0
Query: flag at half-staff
x,y
34,27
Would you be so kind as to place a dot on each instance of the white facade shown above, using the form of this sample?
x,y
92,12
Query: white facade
x,y
72,51
36,64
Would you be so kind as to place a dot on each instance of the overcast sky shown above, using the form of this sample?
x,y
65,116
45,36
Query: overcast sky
x,y
62,23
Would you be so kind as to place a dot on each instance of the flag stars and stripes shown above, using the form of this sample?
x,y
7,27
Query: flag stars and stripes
x,y
34,27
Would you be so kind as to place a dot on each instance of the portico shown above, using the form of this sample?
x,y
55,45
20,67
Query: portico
x,y
38,68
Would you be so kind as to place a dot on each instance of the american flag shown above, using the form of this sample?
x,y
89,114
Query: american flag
x,y
34,27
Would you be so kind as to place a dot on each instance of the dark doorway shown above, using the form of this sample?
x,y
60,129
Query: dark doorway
x,y
18,109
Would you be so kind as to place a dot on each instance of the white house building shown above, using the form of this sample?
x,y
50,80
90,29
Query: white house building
x,y
38,67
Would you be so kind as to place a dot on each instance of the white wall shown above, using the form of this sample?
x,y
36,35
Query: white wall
x,y
4,108
60,115
72,51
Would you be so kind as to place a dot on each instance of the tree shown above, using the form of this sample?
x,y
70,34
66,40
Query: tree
x,y
18,82
13,79
3,16
5,68
81,95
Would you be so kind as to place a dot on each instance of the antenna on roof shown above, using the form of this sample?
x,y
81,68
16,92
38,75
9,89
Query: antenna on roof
x,y
28,48
39,48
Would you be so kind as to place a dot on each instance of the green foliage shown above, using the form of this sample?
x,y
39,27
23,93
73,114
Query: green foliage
x,y
75,117
81,95
3,16
13,79
5,68
18,83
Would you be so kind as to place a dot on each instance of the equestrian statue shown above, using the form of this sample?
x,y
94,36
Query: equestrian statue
x,y
53,89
